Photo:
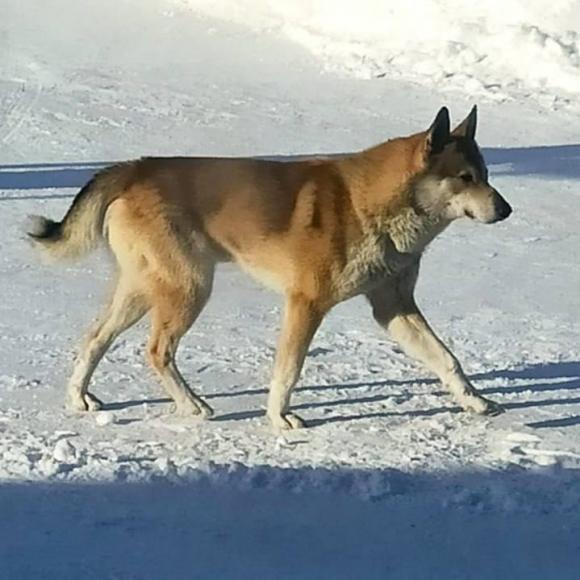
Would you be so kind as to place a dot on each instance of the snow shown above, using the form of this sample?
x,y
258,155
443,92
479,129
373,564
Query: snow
x,y
501,48
391,480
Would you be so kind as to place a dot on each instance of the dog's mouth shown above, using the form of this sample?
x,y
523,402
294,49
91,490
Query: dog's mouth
x,y
469,214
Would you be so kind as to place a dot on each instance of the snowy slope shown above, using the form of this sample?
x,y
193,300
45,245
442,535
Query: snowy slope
x,y
499,49
391,480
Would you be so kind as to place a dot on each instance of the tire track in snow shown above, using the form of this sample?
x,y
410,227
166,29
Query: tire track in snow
x,y
18,111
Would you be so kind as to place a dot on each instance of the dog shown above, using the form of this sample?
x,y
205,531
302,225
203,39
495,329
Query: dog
x,y
318,230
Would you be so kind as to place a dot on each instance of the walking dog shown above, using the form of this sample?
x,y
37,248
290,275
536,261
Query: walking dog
x,y
319,231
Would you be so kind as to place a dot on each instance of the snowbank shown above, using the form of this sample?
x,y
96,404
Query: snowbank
x,y
499,48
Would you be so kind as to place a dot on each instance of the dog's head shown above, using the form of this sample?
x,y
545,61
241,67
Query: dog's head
x,y
453,180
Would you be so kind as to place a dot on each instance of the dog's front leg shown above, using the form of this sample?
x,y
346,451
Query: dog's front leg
x,y
301,320
403,319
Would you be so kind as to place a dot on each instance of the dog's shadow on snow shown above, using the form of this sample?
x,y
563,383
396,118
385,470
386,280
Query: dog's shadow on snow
x,y
553,161
561,377
554,377
557,377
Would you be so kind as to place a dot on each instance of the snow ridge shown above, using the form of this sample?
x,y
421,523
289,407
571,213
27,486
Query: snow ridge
x,y
501,49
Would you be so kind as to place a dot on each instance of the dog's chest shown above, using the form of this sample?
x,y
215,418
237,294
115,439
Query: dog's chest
x,y
372,260
386,251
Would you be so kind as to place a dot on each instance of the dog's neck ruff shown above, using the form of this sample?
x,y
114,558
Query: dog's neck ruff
x,y
411,231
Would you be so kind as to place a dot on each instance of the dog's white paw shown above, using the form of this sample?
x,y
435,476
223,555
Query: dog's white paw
x,y
286,422
87,402
481,406
195,407
76,405
93,404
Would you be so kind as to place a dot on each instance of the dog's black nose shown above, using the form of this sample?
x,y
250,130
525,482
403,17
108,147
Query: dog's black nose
x,y
502,209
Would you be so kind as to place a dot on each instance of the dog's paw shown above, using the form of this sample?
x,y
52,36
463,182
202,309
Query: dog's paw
x,y
482,406
286,422
205,411
194,407
87,402
93,404
493,409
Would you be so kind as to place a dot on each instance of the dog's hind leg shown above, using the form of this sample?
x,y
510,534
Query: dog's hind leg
x,y
301,320
125,309
171,263
174,310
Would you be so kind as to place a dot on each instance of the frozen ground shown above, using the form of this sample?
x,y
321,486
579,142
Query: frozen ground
x,y
391,481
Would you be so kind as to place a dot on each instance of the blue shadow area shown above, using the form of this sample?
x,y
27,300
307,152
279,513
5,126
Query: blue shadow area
x,y
554,161
45,176
296,523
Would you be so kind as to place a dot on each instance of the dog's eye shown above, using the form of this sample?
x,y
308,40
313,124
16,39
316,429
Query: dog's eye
x,y
466,177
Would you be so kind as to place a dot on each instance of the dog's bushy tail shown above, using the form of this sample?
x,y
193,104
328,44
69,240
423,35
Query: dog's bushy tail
x,y
81,229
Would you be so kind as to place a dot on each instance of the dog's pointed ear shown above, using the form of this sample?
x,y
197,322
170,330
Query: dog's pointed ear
x,y
438,133
468,126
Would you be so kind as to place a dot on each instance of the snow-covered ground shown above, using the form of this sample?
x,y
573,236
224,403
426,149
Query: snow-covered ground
x,y
391,481
502,49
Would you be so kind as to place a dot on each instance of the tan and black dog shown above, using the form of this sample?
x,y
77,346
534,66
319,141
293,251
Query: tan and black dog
x,y
319,231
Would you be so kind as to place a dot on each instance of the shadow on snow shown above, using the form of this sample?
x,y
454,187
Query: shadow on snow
x,y
554,161
300,523
547,378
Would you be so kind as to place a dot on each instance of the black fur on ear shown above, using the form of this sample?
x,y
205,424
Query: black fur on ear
x,y
438,133
468,126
